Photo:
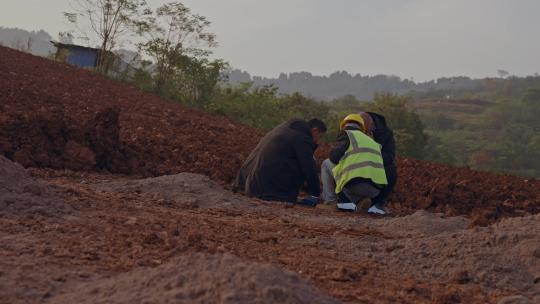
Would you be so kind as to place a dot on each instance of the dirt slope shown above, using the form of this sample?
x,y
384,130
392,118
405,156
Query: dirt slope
x,y
84,236
56,116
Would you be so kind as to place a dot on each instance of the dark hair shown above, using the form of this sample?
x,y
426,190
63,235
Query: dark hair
x,y
318,124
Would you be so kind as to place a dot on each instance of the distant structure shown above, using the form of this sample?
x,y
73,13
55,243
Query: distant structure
x,y
81,56
87,57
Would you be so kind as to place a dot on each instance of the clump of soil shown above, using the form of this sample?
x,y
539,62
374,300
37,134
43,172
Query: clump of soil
x,y
485,197
169,188
44,138
20,193
199,278
183,190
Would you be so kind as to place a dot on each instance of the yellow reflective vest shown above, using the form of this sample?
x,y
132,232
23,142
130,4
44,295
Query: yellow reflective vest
x,y
362,159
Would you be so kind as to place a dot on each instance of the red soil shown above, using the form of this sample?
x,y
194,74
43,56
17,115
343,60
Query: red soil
x,y
56,116
131,241
68,236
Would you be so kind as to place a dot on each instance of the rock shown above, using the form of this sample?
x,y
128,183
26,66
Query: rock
x,y
515,300
461,277
78,157
153,239
536,253
131,220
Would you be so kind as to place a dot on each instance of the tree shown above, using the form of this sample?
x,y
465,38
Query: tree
x,y
196,81
515,126
106,22
411,139
502,73
179,44
253,106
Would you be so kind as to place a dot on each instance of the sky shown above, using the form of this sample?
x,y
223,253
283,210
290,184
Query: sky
x,y
418,39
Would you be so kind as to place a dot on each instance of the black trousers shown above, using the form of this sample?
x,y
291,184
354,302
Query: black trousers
x,y
356,190
391,176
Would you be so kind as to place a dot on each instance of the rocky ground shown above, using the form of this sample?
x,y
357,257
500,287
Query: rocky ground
x,y
183,239
125,201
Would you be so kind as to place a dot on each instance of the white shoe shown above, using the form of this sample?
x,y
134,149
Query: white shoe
x,y
374,210
346,206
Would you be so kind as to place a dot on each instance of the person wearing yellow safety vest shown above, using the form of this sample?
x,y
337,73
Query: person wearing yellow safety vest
x,y
355,169
376,127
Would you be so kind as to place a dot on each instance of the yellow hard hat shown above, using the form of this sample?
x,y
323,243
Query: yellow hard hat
x,y
352,118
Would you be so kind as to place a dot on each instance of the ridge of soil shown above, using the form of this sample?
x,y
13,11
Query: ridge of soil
x,y
199,278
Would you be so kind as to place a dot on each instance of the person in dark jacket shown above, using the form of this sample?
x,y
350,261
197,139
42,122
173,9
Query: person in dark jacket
x,y
282,162
381,133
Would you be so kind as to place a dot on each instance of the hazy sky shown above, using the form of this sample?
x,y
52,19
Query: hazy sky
x,y
423,39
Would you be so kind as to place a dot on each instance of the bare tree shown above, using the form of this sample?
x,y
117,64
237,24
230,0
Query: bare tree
x,y
106,22
177,40
502,73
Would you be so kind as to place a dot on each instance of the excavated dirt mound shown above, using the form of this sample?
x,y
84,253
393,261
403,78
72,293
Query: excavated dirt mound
x,y
126,246
21,194
199,278
57,116
172,189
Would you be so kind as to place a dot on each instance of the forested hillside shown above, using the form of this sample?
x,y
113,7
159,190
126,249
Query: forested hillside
x,y
364,87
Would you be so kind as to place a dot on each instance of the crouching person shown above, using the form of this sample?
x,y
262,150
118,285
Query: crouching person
x,y
282,161
355,168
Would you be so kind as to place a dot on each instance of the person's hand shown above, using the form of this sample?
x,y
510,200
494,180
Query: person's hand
x,y
310,201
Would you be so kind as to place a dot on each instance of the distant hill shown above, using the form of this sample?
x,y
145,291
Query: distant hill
x,y
329,87
35,42
342,83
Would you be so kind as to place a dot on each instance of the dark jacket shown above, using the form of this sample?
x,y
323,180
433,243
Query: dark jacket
x,y
385,137
280,164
